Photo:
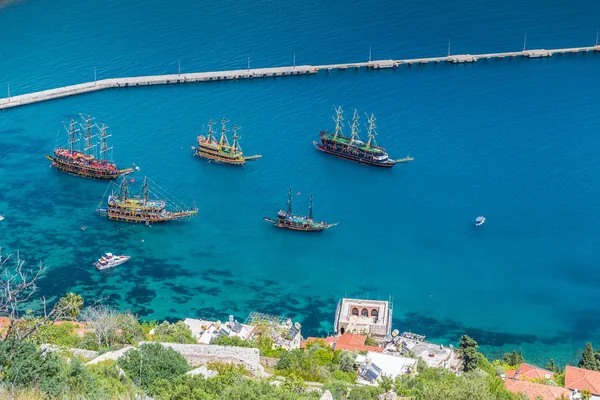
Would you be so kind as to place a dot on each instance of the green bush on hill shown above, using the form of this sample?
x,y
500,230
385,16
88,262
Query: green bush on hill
x,y
152,361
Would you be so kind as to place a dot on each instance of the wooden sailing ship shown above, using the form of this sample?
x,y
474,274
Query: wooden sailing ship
x,y
86,161
353,148
220,151
285,219
121,206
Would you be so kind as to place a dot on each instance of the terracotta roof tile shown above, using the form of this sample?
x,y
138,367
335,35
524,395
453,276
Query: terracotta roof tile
x,y
348,341
533,390
528,371
579,378
510,373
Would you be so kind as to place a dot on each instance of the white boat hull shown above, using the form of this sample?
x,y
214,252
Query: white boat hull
x,y
117,260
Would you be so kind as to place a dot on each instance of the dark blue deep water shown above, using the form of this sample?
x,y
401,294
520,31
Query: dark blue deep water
x,y
514,140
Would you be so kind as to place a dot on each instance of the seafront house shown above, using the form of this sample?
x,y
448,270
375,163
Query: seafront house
x,y
284,333
374,365
538,390
529,372
581,379
527,379
367,317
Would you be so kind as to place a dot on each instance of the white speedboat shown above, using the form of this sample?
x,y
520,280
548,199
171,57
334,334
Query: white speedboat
x,y
479,221
109,260
1,217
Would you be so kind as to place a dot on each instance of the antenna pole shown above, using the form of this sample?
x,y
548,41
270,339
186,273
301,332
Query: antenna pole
x,y
295,54
596,37
448,48
248,63
179,66
8,84
369,53
94,75
525,43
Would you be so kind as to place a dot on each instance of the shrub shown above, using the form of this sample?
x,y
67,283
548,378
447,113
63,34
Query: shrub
x,y
150,362
60,335
174,333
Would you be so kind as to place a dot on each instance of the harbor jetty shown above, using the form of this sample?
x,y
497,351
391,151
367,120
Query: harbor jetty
x,y
195,77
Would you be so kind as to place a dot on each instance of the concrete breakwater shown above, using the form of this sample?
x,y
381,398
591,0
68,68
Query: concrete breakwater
x,y
36,97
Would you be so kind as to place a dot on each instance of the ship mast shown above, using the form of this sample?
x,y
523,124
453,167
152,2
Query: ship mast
x,y
88,134
289,203
354,128
124,193
103,143
145,191
210,137
310,217
223,142
235,146
372,132
338,122
72,132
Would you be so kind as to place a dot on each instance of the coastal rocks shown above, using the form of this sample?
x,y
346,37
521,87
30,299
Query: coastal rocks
x,y
388,396
326,396
207,373
88,354
111,355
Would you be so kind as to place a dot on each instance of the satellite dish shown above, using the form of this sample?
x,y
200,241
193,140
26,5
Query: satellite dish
x,y
297,325
395,332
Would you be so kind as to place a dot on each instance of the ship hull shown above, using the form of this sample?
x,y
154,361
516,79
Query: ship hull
x,y
136,218
221,159
87,172
387,164
303,228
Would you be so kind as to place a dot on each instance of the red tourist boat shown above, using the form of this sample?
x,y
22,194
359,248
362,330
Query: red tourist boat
x,y
85,162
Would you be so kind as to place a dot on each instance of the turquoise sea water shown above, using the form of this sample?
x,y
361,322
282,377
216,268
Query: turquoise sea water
x,y
514,140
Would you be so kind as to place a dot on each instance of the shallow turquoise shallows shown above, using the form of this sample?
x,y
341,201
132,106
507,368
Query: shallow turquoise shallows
x,y
516,141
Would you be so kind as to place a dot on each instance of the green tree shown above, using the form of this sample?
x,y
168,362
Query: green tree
x,y
345,361
586,394
174,333
588,361
468,349
365,393
60,335
22,364
150,362
112,384
70,305
514,359
551,366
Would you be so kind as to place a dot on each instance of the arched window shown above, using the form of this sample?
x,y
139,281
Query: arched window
x,y
355,311
364,312
374,312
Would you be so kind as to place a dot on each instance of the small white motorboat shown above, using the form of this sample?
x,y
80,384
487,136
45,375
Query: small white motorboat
x,y
479,221
109,260
1,217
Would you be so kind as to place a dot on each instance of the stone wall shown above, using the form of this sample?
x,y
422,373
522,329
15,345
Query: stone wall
x,y
198,354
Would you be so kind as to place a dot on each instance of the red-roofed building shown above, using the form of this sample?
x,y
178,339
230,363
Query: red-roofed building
x,y
580,379
537,390
528,372
348,341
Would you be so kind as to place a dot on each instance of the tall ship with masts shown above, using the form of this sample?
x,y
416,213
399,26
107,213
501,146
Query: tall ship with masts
x,y
90,160
287,220
220,151
153,204
353,148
